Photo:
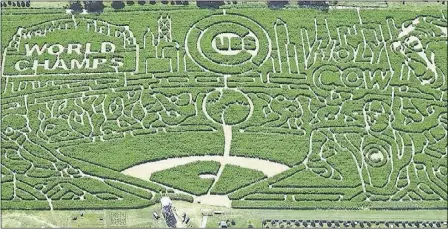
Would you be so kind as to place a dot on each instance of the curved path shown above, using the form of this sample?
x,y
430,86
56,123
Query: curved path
x,y
144,171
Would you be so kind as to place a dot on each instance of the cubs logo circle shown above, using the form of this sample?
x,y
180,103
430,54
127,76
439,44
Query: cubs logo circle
x,y
228,44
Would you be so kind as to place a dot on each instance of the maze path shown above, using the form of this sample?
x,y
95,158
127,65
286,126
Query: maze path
x,y
337,113
144,171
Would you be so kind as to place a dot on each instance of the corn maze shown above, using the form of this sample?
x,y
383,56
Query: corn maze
x,y
286,109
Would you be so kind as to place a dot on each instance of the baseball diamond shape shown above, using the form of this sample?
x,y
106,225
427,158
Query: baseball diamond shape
x,y
284,109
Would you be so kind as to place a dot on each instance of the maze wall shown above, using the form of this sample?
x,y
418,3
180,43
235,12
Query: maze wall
x,y
353,103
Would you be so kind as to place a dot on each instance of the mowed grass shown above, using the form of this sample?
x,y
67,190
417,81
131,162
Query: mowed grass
x,y
143,217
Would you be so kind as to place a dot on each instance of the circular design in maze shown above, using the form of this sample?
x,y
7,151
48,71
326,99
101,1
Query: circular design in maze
x,y
228,107
326,111
228,44
375,155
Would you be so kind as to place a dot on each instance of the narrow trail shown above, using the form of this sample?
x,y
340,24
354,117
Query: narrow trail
x,y
204,221
227,140
227,144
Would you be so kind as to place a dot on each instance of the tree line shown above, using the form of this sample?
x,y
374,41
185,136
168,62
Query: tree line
x,y
98,6
25,3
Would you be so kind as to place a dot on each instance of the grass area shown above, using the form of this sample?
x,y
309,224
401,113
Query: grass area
x,y
135,218
143,217
244,217
186,177
415,5
49,4
234,177
293,150
130,151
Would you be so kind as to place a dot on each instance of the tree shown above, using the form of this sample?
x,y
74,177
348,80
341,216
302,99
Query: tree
x,y
94,6
277,3
117,5
130,3
177,2
209,4
321,5
75,6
